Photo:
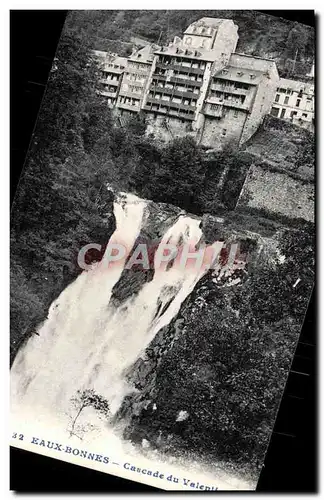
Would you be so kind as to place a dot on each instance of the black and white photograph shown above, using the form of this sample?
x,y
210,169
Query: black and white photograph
x,y
162,244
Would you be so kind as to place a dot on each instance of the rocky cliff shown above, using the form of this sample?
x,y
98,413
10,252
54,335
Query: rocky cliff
x,y
209,384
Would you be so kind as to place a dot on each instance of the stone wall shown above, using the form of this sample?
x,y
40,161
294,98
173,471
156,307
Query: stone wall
x,y
166,128
277,192
219,132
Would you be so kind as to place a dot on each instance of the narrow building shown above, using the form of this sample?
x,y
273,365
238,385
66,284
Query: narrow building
x,y
135,79
112,68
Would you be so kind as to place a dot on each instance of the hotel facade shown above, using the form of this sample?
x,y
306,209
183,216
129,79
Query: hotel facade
x,y
199,86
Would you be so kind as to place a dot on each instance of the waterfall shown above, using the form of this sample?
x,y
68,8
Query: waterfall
x,y
86,342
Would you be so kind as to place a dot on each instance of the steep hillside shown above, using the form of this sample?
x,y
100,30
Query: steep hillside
x,y
285,146
260,34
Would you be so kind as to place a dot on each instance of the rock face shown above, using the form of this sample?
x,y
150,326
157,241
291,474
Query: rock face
x,y
223,360
158,217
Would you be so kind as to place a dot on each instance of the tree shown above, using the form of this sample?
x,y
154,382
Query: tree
x,y
180,176
61,198
85,399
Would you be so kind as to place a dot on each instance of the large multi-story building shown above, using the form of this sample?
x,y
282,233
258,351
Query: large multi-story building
x,y
199,86
181,74
294,101
240,95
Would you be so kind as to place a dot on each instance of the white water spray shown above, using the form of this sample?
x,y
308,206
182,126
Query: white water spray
x,y
89,343
86,342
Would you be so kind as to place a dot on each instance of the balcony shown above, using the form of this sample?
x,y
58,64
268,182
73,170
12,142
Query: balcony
x,y
180,67
168,104
217,113
230,103
246,106
108,94
138,71
193,83
128,93
230,89
175,92
113,71
169,112
128,107
109,81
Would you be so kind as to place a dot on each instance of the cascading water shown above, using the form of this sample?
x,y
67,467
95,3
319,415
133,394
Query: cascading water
x,y
89,343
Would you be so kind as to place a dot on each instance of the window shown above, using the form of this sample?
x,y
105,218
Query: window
x,y
304,115
282,114
235,113
275,111
283,91
224,131
297,103
277,98
286,100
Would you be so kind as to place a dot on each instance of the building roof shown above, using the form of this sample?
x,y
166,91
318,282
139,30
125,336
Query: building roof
x,y
296,86
145,55
106,58
205,26
247,62
238,74
181,50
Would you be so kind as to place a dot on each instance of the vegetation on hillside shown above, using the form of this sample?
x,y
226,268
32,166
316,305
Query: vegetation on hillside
x,y
224,361
78,147
62,204
291,44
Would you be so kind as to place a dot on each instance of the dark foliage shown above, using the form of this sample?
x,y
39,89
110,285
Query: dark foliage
x,y
228,365
290,44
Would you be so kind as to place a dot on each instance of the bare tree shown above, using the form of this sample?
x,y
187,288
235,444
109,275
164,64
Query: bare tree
x,y
88,398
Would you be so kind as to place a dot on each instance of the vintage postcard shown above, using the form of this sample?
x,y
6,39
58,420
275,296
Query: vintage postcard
x,y
162,244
